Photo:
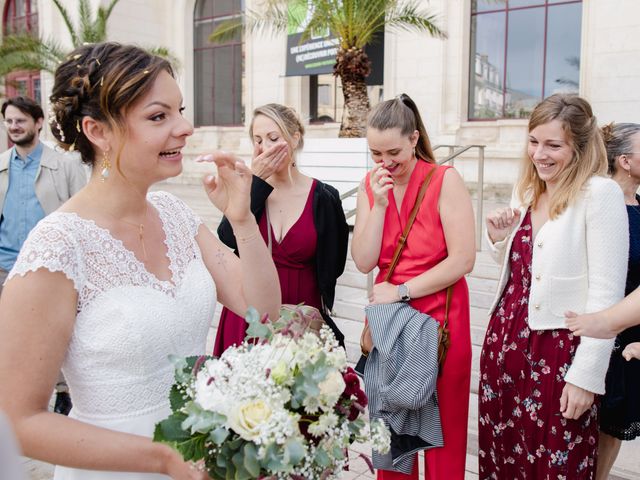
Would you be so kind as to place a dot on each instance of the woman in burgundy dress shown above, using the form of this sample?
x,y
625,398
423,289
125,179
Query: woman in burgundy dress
x,y
301,218
563,246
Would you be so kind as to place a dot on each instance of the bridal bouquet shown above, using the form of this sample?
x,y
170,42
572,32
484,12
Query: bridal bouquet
x,y
284,407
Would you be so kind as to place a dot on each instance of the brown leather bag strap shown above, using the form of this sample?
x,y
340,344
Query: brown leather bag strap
x,y
412,216
446,306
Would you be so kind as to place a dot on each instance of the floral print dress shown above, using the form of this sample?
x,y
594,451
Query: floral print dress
x,y
522,434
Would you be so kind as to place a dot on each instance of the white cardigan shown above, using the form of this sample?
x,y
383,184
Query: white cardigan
x,y
580,264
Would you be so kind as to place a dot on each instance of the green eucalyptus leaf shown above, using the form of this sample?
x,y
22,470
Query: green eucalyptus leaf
x,y
200,420
219,435
170,429
235,444
294,451
322,457
241,471
338,452
258,330
251,463
272,460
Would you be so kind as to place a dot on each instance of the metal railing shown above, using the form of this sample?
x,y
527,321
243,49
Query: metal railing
x,y
454,152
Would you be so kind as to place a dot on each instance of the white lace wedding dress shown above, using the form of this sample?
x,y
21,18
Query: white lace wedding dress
x,y
128,321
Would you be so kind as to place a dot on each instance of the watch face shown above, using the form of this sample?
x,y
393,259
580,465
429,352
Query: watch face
x,y
403,292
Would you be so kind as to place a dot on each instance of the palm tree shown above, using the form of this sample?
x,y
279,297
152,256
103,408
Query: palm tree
x,y
23,51
354,23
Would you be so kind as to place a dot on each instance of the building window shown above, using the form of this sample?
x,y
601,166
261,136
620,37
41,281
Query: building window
x,y
521,52
326,100
218,68
21,16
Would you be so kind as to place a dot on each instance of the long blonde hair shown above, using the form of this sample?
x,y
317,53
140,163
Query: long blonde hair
x,y
589,153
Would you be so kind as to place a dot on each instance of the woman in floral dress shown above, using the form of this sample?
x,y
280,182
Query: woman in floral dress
x,y
563,246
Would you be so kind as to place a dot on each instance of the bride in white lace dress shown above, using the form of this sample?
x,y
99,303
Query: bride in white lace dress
x,y
118,278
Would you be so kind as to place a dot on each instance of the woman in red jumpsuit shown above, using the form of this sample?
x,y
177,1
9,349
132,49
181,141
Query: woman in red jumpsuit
x,y
440,250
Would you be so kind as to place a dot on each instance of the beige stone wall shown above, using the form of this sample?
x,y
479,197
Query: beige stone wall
x,y
610,69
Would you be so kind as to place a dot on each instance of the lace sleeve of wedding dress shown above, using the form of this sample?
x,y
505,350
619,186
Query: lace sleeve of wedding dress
x,y
51,245
171,203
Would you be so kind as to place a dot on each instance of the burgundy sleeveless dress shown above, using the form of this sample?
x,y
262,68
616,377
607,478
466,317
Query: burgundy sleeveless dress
x,y
295,260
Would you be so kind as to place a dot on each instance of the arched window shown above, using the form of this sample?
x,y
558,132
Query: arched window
x,y
218,68
21,16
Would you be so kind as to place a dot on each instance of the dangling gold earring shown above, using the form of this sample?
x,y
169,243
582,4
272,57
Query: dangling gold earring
x,y
106,166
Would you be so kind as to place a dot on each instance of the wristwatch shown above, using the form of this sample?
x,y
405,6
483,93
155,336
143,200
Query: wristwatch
x,y
403,292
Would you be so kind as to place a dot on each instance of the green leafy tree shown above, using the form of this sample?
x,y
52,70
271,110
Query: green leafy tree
x,y
24,51
355,23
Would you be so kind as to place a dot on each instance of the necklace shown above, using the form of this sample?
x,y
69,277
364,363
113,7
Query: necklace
x,y
139,226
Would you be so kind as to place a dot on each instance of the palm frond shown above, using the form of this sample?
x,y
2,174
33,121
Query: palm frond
x,y
228,30
67,21
409,16
85,17
100,24
164,52
273,19
109,9
25,52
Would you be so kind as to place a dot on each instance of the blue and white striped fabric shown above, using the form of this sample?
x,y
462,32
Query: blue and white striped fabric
x,y
400,380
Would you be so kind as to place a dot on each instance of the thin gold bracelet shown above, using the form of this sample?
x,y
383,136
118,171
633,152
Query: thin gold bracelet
x,y
248,239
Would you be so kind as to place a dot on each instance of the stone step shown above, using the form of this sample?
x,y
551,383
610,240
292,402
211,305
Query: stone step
x,y
352,278
483,285
483,269
481,299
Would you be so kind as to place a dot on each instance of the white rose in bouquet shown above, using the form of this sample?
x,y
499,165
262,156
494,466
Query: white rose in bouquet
x,y
248,418
331,389
286,406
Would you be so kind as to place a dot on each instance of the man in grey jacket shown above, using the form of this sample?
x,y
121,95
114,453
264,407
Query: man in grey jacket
x,y
34,181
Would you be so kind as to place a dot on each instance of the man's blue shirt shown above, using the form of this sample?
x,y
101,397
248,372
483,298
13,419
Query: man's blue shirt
x,y
21,210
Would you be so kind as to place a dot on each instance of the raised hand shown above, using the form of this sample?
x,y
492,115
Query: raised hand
x,y
381,182
589,325
230,189
266,162
500,222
